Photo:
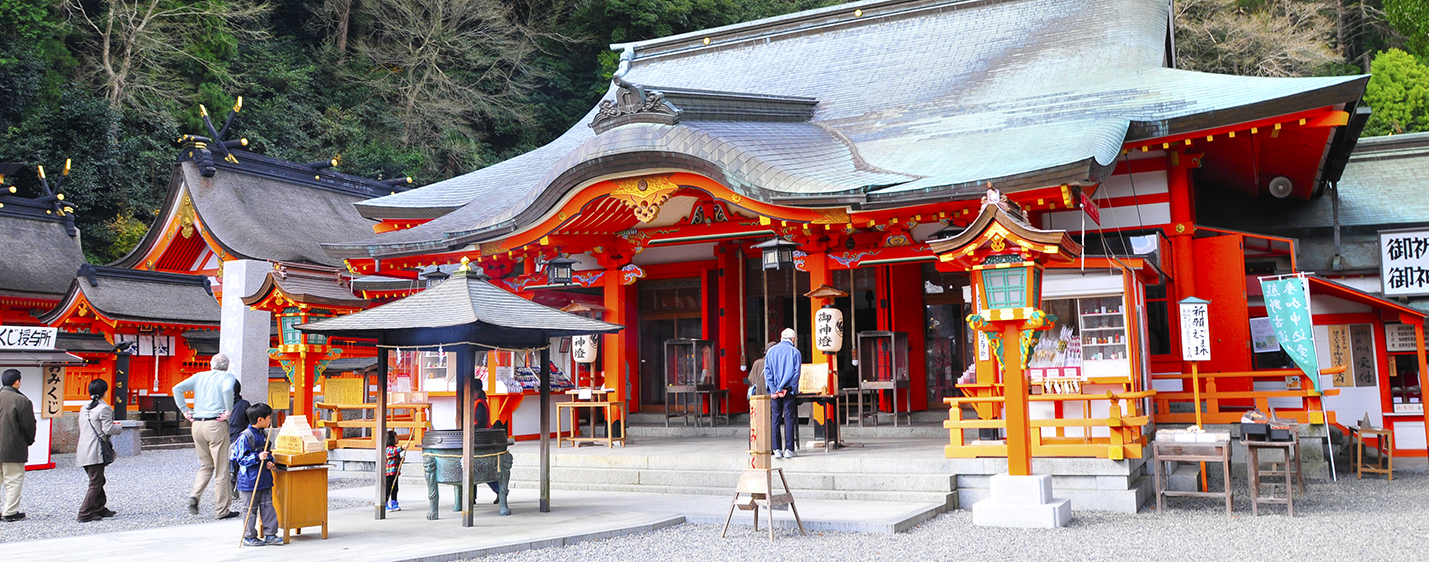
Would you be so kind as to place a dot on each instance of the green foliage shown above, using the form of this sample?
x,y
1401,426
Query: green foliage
x,y
1411,19
1398,92
25,20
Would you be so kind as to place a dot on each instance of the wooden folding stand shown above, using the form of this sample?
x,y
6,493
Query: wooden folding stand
x,y
758,480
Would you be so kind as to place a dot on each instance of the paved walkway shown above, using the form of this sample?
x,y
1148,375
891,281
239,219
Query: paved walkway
x,y
354,536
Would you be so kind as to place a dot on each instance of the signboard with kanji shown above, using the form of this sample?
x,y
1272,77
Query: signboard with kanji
x,y
52,399
1399,337
1287,304
1362,353
1195,330
1340,353
1404,262
27,338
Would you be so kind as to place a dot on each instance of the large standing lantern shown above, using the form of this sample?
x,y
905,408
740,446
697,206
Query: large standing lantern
x,y
778,253
584,349
1005,255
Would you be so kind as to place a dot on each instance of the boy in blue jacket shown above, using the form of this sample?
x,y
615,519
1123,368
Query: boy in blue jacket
x,y
255,477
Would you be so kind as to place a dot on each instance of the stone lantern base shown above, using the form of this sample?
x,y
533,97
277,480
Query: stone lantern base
x,y
1022,501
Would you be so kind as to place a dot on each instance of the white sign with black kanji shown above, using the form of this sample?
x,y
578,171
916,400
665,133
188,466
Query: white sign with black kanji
x,y
1195,332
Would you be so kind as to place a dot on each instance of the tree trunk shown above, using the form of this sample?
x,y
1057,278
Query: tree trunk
x,y
344,14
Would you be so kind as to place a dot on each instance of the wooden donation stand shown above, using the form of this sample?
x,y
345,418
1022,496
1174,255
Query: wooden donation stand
x,y
1383,448
758,480
1187,446
589,400
300,481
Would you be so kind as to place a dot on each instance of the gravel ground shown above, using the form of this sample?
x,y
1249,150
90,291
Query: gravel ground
x,y
149,490
1349,520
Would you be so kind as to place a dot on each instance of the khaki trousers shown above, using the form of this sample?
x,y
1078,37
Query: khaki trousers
x,y
211,443
12,475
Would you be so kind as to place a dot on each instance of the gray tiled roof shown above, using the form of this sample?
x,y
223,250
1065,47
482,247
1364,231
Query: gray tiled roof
x,y
37,257
463,301
143,296
927,99
257,211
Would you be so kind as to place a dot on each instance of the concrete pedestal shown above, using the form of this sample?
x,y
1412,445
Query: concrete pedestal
x,y
1022,501
243,334
126,444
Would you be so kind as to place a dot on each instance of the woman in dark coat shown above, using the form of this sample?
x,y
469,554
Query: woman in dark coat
x,y
96,424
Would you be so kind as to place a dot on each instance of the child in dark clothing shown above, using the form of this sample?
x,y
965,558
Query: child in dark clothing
x,y
255,477
392,469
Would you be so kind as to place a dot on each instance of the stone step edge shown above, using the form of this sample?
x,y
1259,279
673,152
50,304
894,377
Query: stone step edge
x,y
811,493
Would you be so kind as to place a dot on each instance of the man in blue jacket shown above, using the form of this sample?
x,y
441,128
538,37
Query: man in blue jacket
x,y
781,378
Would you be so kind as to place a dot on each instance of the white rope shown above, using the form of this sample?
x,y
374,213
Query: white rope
x,y
440,346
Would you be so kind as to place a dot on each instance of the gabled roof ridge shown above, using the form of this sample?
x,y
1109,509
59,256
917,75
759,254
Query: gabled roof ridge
x,y
25,208
94,272
794,24
296,172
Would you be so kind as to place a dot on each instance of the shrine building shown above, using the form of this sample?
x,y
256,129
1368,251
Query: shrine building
x,y
861,132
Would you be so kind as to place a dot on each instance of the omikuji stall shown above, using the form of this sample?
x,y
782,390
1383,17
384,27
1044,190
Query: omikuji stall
x,y
465,315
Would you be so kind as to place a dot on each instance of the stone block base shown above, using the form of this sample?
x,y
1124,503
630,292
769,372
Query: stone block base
x,y
1022,501
127,443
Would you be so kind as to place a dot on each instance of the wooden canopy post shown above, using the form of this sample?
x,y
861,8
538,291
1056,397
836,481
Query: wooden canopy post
x,y
1019,424
465,376
1423,366
379,431
545,426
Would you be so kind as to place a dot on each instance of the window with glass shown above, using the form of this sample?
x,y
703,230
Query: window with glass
x,y
1005,288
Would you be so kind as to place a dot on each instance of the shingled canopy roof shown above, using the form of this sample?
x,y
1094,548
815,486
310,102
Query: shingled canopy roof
x,y
264,208
917,101
38,256
315,285
463,309
143,297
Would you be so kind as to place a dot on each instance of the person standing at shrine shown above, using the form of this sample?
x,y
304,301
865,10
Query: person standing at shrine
x,y
781,378
17,433
213,404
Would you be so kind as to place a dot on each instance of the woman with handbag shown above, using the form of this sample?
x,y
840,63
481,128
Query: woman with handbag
x,y
96,424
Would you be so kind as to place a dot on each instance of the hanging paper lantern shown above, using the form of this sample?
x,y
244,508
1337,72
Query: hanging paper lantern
x,y
583,349
829,329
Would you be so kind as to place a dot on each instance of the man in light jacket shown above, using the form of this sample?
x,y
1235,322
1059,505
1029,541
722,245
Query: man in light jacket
x,y
781,377
17,433
213,403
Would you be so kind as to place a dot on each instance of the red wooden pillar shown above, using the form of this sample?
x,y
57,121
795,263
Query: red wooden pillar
x,y
906,314
1181,231
615,348
819,274
731,338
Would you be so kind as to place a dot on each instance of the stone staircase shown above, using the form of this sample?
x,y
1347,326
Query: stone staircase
x,y
813,475
152,439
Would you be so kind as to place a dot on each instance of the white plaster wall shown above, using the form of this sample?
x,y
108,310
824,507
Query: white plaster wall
x,y
1353,402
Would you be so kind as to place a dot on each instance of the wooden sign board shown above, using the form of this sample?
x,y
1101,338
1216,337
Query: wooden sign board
x,y
814,379
760,428
1195,331
1399,338
52,401
1340,353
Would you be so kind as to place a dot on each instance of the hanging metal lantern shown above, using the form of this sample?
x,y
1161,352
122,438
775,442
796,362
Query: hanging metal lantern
x,y
584,349
778,253
829,329
559,270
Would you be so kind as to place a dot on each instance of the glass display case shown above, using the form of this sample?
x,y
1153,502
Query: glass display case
x,y
1103,323
690,365
1405,395
883,359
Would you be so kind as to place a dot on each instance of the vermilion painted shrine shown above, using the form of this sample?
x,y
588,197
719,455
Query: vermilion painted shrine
x,y
864,135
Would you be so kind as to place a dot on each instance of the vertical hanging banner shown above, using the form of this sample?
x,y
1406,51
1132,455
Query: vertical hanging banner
x,y
1287,304
1340,353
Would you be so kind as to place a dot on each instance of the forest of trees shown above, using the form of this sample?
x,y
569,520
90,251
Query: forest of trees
x,y
437,88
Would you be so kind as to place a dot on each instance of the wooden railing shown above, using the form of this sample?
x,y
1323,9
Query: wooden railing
x,y
1123,422
1215,412
415,418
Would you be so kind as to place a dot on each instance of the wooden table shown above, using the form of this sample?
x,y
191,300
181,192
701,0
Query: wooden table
x,y
591,406
693,392
1384,449
300,498
1164,452
1291,472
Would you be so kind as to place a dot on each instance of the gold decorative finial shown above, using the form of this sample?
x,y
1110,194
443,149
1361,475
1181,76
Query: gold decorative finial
x,y
202,110
238,105
66,172
42,171
465,265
